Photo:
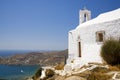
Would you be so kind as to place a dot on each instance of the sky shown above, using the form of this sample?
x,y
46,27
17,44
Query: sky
x,y
44,24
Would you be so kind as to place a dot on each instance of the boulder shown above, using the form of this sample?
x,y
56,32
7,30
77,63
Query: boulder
x,y
75,78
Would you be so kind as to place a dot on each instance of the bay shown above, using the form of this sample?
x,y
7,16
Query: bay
x,y
17,72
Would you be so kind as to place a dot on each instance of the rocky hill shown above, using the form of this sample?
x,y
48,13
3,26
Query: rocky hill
x,y
36,58
90,71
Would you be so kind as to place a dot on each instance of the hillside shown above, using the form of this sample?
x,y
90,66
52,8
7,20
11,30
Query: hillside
x,y
36,58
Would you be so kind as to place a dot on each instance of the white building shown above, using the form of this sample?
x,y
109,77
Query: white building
x,y
86,39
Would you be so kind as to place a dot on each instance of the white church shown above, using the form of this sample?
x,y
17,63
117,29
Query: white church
x,y
86,39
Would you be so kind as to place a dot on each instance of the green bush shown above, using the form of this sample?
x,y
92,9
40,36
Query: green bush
x,y
37,74
110,52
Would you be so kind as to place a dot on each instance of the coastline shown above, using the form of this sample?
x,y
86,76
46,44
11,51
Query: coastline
x,y
17,72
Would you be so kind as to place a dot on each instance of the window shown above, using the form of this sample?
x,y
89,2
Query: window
x,y
100,35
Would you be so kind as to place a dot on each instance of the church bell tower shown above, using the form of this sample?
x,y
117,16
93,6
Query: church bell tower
x,y
84,15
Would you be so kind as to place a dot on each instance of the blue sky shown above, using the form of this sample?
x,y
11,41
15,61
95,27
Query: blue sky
x,y
44,24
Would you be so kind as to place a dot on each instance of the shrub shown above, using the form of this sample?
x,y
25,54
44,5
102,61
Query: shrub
x,y
37,74
49,73
110,52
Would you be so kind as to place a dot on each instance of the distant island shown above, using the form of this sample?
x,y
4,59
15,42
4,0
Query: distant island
x,y
36,58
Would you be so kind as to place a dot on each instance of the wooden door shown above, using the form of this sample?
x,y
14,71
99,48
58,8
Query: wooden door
x,y
79,48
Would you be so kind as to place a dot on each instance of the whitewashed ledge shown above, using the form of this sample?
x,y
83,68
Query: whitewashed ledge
x,y
69,71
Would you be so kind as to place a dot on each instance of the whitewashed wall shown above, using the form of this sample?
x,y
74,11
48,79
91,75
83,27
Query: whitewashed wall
x,y
89,47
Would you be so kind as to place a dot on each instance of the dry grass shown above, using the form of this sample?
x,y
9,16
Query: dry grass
x,y
98,76
98,73
59,66
94,75
114,68
100,70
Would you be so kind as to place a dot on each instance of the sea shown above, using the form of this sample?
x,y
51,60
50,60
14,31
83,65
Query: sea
x,y
16,72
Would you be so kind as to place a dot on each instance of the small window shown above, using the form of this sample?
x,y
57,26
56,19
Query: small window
x,y
100,36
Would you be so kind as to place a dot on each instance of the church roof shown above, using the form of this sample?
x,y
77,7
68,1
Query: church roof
x,y
104,17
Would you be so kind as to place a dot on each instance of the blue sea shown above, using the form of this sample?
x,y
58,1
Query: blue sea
x,y
5,53
16,72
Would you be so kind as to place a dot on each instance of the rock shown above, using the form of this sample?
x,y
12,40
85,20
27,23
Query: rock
x,y
116,76
29,78
75,78
60,78
67,68
43,74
